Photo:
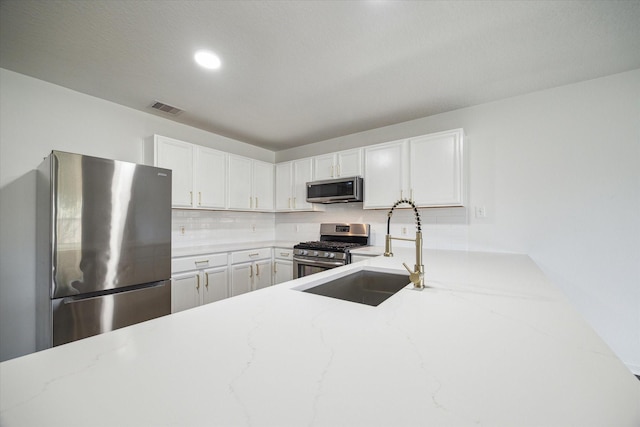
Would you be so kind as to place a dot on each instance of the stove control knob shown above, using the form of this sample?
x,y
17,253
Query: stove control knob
x,y
315,253
327,254
331,255
303,252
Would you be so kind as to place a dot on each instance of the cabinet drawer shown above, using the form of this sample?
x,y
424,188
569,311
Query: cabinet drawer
x,y
198,262
283,253
252,255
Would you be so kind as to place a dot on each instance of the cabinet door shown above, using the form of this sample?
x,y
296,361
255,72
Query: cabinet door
x,y
436,169
185,291
262,186
241,278
240,183
262,277
215,284
177,156
323,167
383,175
302,173
284,186
211,178
282,271
349,163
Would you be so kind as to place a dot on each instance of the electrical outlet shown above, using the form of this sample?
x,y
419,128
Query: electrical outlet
x,y
182,230
481,212
253,228
404,231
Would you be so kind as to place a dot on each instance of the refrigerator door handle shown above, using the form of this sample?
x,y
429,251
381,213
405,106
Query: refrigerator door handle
x,y
97,295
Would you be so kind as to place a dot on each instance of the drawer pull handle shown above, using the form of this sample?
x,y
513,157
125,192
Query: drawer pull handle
x,y
254,254
285,254
202,263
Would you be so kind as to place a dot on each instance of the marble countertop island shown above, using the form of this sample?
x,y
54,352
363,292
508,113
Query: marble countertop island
x,y
490,342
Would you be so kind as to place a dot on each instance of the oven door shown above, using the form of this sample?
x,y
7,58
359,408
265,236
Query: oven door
x,y
304,266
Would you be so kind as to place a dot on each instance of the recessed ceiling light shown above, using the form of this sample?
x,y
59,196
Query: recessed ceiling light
x,y
207,59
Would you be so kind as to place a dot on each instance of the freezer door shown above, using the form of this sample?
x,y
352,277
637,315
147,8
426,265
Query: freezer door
x,y
75,318
111,224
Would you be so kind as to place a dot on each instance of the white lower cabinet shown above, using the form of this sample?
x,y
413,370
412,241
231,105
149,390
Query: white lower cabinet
x,y
198,280
282,265
250,270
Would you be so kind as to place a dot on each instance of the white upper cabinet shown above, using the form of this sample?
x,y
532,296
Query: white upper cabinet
x,y
335,165
435,168
426,169
384,177
263,188
199,177
176,155
291,189
251,184
210,178
240,183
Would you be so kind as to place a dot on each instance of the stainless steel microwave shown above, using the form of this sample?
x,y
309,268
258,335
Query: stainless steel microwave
x,y
338,190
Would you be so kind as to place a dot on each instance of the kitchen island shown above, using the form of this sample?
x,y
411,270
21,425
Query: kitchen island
x,y
489,342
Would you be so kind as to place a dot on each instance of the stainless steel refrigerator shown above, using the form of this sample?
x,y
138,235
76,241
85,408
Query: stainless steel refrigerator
x,y
103,246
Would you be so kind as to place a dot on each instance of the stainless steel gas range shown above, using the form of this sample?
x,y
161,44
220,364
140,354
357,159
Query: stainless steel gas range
x,y
332,250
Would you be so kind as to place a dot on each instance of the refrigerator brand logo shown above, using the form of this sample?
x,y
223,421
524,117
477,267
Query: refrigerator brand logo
x,y
162,174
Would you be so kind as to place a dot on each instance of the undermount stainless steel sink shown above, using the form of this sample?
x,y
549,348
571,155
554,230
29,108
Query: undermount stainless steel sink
x,y
364,287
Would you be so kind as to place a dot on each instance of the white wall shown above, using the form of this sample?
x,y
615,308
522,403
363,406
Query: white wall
x,y
559,174
35,118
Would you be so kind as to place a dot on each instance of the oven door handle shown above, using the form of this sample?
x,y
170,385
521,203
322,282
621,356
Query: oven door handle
x,y
318,263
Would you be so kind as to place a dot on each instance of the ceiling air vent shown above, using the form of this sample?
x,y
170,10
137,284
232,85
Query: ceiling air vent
x,y
174,111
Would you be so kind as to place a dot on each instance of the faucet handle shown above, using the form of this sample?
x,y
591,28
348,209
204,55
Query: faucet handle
x,y
407,267
416,277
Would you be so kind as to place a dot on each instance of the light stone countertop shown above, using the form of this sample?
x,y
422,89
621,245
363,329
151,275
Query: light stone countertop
x,y
229,247
490,342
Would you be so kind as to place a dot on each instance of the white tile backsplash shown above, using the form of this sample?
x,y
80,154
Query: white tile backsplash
x,y
200,227
442,228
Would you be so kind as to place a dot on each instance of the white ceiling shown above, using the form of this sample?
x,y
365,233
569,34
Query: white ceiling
x,y
297,72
